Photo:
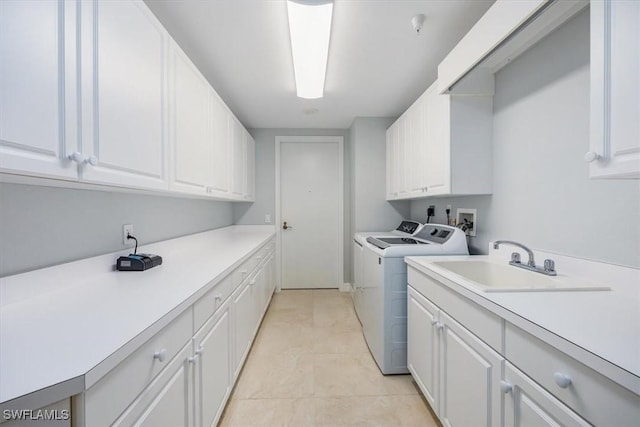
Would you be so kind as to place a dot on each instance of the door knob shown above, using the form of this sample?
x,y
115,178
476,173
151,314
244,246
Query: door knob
x,y
285,226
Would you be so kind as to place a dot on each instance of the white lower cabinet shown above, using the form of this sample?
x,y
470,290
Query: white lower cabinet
x,y
455,370
423,345
243,321
182,378
212,368
469,372
475,371
528,404
166,401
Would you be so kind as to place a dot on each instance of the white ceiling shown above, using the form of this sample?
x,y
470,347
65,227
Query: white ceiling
x,y
377,64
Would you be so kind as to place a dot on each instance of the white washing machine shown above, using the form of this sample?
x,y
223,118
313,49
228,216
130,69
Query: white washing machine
x,y
383,300
404,229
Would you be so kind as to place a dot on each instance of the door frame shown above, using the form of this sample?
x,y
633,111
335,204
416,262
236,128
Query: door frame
x,y
278,220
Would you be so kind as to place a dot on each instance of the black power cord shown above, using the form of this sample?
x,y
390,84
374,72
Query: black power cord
x,y
132,237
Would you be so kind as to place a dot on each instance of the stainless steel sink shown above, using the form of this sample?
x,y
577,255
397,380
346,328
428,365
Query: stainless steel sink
x,y
492,277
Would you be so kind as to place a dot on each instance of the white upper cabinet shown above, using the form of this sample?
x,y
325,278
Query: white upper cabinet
x,y
192,144
505,31
97,92
124,105
615,90
238,150
442,147
250,174
221,145
38,122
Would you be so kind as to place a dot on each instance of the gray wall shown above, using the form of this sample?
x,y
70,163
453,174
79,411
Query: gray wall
x,y
265,203
43,226
542,195
369,209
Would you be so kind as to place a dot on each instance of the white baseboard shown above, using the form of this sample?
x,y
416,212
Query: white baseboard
x,y
345,287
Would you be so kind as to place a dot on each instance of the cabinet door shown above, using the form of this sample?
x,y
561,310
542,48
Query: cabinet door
x,y
171,407
615,89
238,165
243,321
437,156
250,185
418,141
124,95
391,164
212,368
423,345
220,119
403,134
470,372
528,404
38,117
192,151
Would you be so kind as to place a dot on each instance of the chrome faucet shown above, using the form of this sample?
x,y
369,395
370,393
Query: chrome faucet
x,y
549,264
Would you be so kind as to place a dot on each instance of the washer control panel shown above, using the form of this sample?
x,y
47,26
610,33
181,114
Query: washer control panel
x,y
437,233
408,227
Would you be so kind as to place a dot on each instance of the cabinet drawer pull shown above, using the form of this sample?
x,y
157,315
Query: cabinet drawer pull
x,y
591,156
217,297
192,360
199,351
434,322
160,355
76,156
440,325
92,160
506,387
563,380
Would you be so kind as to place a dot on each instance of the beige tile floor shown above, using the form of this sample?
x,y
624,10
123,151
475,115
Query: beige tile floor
x,y
310,366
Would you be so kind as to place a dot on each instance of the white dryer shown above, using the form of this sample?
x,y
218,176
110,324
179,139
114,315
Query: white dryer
x,y
383,305
404,229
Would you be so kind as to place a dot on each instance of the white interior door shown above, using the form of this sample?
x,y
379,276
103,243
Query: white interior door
x,y
311,205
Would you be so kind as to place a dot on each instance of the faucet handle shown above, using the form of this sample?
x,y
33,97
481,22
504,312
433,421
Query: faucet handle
x,y
549,265
515,257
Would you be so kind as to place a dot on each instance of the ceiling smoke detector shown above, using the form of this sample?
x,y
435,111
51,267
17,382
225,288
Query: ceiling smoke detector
x,y
417,22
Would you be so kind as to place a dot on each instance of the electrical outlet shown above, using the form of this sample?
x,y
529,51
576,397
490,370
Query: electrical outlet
x,y
267,219
126,230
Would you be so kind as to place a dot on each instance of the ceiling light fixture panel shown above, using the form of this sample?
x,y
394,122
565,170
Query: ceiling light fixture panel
x,y
310,30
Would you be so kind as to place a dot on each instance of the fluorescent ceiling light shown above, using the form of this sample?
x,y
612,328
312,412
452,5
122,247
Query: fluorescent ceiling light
x,y
310,28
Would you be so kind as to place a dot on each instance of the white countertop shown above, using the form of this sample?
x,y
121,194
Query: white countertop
x,y
66,326
598,328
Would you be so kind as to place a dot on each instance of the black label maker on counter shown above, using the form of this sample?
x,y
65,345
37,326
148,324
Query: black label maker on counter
x,y
138,262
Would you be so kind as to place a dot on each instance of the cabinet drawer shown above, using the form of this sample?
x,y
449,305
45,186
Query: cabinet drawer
x,y
113,393
595,397
481,322
241,273
211,301
167,390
